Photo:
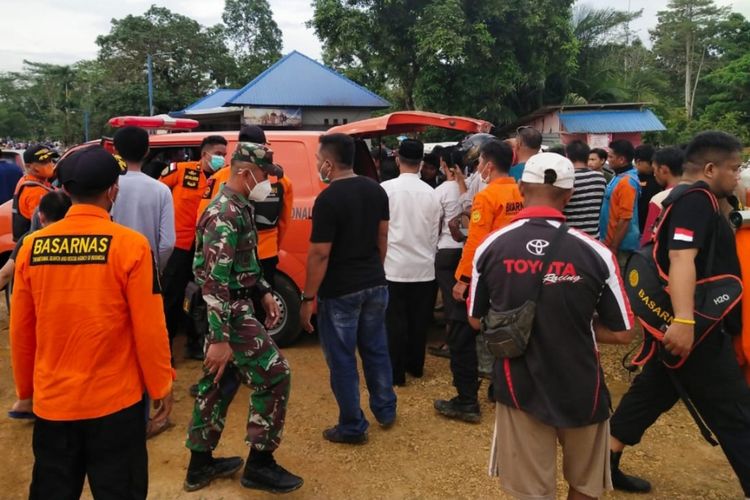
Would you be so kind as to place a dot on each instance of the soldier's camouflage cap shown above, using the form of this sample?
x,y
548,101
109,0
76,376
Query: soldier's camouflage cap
x,y
259,154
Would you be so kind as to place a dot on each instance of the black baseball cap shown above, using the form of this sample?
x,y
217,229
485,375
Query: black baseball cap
x,y
39,153
411,149
252,133
89,171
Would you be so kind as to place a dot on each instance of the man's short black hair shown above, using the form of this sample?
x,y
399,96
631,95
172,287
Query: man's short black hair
x,y
671,157
212,140
54,205
499,153
131,143
644,152
340,147
379,153
623,148
530,137
432,159
457,158
602,154
578,151
558,149
712,146
446,155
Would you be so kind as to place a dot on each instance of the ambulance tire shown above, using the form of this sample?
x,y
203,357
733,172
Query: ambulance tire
x,y
287,295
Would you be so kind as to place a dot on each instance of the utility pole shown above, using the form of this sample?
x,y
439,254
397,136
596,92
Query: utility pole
x,y
150,71
86,126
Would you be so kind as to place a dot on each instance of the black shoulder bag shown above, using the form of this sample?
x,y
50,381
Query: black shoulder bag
x,y
507,333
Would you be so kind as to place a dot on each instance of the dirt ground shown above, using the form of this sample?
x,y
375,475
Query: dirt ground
x,y
422,456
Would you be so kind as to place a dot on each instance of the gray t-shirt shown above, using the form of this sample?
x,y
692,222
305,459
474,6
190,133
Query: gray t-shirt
x,y
145,205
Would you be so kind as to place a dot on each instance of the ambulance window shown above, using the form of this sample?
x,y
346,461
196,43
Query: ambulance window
x,y
173,154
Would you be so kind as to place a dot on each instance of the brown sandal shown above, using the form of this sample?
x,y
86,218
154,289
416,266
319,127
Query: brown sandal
x,y
154,429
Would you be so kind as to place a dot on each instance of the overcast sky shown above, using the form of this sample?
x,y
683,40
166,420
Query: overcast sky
x,y
64,31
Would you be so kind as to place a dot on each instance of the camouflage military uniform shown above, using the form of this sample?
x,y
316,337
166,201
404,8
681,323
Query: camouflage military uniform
x,y
226,266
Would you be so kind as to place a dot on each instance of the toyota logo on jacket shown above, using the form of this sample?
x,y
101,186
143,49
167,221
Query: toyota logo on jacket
x,y
558,379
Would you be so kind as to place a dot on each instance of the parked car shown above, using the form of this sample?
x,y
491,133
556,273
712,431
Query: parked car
x,y
295,151
13,156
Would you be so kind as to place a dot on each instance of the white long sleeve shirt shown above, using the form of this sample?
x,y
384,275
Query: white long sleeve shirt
x,y
412,230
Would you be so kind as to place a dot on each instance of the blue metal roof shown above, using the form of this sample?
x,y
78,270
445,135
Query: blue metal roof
x,y
297,80
215,99
610,121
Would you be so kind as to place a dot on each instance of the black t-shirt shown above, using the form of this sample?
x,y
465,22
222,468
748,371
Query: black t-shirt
x,y
348,214
649,187
694,223
558,379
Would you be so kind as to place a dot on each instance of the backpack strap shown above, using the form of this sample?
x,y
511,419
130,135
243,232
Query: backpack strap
x,y
662,226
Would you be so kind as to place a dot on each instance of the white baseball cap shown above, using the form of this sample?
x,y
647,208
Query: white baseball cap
x,y
536,170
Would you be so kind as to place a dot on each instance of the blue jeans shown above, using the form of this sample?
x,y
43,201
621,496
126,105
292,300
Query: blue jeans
x,y
345,324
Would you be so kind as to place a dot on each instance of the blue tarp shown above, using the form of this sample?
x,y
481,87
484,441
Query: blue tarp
x,y
610,121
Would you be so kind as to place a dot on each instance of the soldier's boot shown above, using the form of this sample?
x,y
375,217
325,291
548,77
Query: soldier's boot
x,y
204,468
625,482
263,473
454,408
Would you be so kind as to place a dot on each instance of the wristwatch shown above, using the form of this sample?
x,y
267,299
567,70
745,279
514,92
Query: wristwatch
x,y
305,298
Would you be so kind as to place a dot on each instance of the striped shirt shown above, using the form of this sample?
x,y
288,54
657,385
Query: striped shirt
x,y
582,212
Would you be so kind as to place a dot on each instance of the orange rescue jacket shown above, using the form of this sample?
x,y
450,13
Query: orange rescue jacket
x,y
742,342
493,207
32,194
188,182
87,330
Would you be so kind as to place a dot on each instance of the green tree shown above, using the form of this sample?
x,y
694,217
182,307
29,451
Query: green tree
x,y
684,40
188,61
14,121
489,59
603,55
253,36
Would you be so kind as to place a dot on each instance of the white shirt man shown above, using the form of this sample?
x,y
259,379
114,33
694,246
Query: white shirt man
x,y
410,262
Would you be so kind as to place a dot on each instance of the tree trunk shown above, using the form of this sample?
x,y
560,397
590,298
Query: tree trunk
x,y
695,85
688,76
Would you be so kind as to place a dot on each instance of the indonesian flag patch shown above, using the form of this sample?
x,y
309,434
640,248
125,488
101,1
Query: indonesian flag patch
x,y
682,234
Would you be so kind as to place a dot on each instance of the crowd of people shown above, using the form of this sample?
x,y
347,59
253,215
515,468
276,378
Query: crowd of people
x,y
530,246
526,250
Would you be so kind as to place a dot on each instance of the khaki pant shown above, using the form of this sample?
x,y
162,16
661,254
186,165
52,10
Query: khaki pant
x,y
524,456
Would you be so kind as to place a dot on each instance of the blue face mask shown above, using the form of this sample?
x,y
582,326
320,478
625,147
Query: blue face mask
x,y
217,162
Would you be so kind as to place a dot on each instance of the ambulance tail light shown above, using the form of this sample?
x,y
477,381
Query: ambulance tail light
x,y
161,122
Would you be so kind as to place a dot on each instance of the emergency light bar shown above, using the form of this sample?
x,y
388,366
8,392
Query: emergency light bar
x,y
163,122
